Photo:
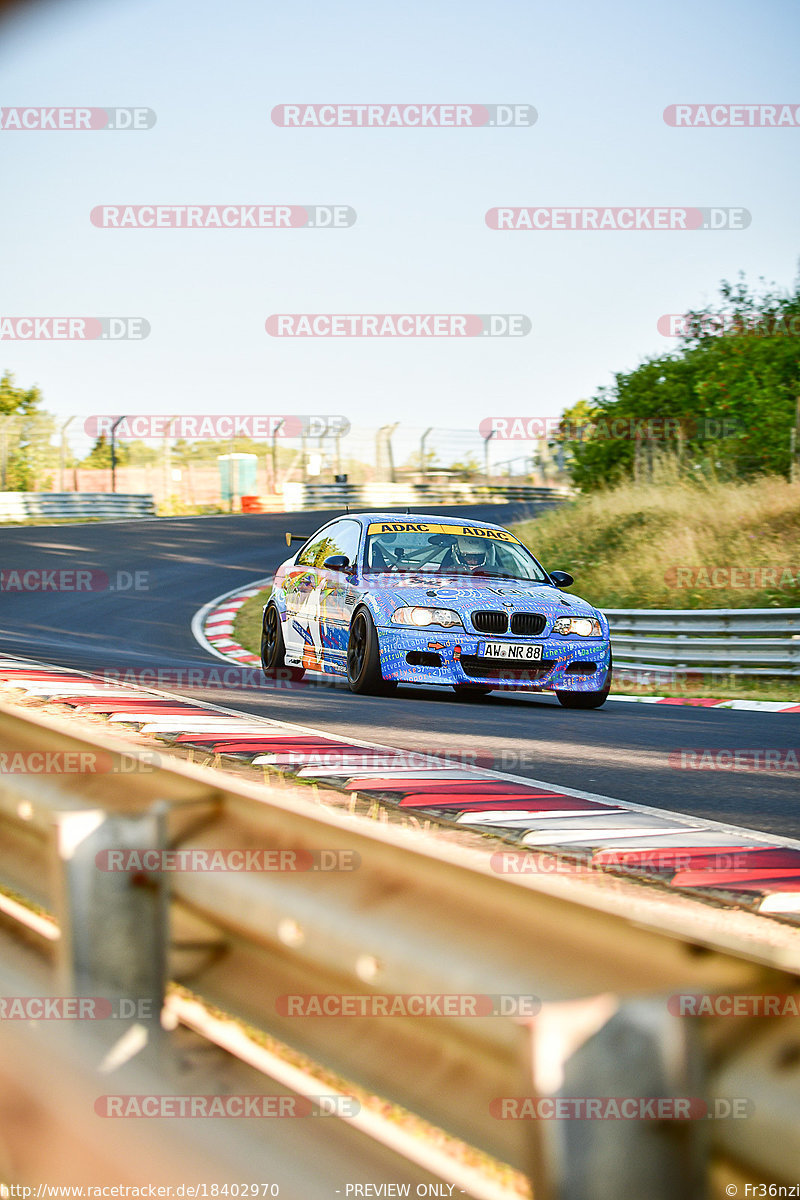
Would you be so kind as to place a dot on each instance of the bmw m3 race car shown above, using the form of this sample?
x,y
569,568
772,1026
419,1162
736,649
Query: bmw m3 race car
x,y
383,599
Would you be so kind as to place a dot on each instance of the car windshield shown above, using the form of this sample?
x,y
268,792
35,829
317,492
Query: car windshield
x,y
441,549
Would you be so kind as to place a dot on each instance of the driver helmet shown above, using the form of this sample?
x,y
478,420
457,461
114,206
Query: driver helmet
x,y
472,552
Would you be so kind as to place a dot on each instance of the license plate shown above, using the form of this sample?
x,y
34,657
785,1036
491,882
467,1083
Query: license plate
x,y
516,651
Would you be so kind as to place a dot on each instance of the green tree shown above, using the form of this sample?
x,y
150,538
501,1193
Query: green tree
x,y
140,454
100,454
26,432
417,462
723,402
468,469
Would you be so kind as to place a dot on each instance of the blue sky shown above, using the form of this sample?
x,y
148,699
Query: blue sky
x,y
599,77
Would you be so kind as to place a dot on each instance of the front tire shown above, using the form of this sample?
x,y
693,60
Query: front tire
x,y
364,658
588,699
273,647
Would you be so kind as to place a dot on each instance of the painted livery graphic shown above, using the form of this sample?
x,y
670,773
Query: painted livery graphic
x,y
382,599
311,613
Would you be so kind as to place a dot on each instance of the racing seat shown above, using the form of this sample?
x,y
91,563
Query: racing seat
x,y
377,559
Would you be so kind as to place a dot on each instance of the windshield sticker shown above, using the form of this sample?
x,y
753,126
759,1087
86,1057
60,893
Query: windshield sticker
x,y
495,535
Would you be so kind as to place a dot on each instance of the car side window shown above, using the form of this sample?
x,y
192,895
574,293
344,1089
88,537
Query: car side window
x,y
342,537
347,538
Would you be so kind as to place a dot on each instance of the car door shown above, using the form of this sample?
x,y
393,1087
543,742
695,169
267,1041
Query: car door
x,y
315,598
302,586
338,592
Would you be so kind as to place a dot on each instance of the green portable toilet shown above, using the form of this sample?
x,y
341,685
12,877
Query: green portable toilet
x,y
237,475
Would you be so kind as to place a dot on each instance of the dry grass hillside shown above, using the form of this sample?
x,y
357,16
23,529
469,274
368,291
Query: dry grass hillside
x,y
678,544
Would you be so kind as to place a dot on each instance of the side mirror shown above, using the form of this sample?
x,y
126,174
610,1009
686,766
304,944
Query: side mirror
x,y
561,579
337,562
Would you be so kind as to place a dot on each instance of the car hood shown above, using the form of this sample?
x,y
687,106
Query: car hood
x,y
460,592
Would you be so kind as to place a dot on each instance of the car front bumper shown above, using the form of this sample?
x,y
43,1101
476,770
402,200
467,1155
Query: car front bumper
x,y
437,656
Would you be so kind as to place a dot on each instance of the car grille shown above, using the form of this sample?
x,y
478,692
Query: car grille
x,y
478,667
490,621
527,624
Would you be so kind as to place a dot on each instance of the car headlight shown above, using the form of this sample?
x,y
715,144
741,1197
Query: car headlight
x,y
577,626
420,617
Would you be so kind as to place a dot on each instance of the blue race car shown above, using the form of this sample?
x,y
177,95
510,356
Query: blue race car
x,y
384,599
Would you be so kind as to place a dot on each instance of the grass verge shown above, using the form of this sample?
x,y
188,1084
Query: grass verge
x,y
681,544
247,622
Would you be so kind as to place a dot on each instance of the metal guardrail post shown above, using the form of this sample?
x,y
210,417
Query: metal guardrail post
x,y
113,922
766,1070
600,1048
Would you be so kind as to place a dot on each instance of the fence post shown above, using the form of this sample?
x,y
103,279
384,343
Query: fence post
x,y
62,455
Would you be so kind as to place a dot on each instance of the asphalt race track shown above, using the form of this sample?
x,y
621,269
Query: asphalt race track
x,y
620,751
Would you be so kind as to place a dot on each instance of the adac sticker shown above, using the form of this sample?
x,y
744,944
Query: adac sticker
x,y
494,535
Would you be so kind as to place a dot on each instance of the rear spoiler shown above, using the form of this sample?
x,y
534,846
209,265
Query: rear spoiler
x,y
297,537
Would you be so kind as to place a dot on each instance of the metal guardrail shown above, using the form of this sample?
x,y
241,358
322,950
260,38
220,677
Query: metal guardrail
x,y
67,506
401,495
714,641
419,915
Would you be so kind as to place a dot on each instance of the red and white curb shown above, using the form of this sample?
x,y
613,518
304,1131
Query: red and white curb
x,y
570,829
775,706
212,627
